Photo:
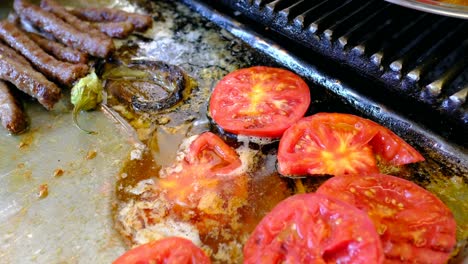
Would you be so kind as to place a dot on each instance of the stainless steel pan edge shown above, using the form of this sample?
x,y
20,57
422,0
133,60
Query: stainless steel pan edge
x,y
434,7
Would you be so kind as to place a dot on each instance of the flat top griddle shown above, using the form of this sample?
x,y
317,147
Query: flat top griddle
x,y
73,224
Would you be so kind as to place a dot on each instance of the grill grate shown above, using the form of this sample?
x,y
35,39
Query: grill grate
x,y
420,56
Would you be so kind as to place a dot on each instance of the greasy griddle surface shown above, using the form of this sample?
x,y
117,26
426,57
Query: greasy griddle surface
x,y
206,53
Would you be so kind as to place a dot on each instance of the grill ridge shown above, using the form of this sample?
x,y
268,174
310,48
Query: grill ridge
x,y
418,55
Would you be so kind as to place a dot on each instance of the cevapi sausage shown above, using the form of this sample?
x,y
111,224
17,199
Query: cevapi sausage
x,y
12,115
63,72
115,29
62,31
12,54
29,81
83,26
102,14
58,50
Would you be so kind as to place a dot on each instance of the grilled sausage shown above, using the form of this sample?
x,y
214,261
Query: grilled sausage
x,y
83,26
63,72
115,29
12,115
30,81
62,31
59,50
12,54
140,21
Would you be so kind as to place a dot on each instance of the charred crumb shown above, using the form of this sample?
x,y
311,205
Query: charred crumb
x,y
58,172
43,191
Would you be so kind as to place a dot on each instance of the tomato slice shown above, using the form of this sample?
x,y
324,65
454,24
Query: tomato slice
x,y
314,228
209,149
340,144
174,250
259,101
414,225
206,179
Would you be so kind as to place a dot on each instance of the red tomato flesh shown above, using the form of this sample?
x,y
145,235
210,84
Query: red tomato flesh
x,y
414,225
314,228
259,101
172,250
340,144
205,172
205,182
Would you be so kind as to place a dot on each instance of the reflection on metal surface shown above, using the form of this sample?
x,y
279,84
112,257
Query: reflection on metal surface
x,y
73,223
457,9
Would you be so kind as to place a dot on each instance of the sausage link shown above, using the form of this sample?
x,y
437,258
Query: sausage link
x,y
12,54
62,31
83,26
116,29
63,72
29,81
102,14
59,50
12,116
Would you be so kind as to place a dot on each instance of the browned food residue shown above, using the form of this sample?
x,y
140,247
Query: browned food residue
x,y
58,172
43,191
91,154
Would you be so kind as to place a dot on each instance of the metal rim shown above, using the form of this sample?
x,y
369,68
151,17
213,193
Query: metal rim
x,y
434,7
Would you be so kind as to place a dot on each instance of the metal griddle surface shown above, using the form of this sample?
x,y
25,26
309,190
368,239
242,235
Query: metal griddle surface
x,y
74,223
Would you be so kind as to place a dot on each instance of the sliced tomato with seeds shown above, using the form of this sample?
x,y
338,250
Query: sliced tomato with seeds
x,y
414,225
340,144
175,250
314,228
259,101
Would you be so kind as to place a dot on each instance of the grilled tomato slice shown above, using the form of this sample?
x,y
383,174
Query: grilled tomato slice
x,y
259,101
168,250
414,225
340,144
314,228
206,181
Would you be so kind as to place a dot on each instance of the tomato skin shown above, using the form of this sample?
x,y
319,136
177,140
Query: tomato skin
x,y
393,149
171,250
210,149
206,183
314,228
414,225
340,144
259,101
205,171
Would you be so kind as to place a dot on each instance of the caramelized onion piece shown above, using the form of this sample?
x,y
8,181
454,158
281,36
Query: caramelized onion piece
x,y
147,85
